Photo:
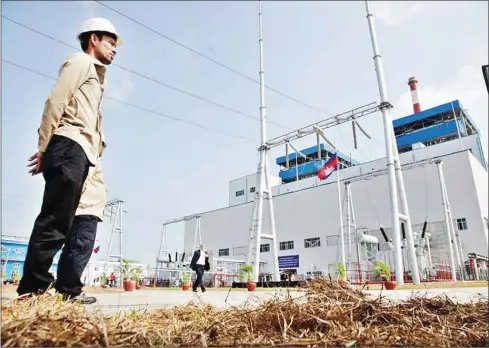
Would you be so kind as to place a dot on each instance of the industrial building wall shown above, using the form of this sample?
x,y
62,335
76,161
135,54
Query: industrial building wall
x,y
243,189
481,187
314,213
469,143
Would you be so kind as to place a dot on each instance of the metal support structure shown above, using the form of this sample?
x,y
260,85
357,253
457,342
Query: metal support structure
x,y
455,235
342,232
329,122
350,222
114,210
453,232
264,185
457,125
163,254
393,170
163,250
447,221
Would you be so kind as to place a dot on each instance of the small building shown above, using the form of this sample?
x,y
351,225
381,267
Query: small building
x,y
14,251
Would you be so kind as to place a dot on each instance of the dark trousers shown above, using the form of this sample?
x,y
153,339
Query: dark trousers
x,y
75,254
199,270
64,167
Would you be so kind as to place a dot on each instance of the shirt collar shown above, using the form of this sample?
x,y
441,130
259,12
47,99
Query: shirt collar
x,y
98,64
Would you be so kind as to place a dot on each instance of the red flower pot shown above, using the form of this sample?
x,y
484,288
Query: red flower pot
x,y
251,286
344,284
129,285
390,285
185,287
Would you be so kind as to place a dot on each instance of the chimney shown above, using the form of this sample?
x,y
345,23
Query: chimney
x,y
413,86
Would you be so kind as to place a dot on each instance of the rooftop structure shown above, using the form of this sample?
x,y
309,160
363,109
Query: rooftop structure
x,y
436,125
294,166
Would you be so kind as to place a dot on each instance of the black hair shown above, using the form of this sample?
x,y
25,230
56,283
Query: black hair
x,y
85,38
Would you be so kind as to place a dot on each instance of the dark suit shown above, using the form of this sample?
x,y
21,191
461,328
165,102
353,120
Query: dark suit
x,y
199,269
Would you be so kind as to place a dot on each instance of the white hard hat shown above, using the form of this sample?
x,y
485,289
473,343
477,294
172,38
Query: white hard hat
x,y
99,24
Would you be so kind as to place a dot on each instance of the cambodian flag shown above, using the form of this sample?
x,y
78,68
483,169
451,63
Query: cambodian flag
x,y
328,168
96,250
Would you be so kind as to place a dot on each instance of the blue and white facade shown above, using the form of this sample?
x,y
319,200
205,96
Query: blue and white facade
x,y
14,250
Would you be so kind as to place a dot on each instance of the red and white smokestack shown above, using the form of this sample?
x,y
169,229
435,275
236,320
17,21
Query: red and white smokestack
x,y
413,85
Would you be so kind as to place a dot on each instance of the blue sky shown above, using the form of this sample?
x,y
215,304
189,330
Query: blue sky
x,y
316,52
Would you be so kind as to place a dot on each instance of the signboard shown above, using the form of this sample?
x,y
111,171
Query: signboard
x,y
289,261
17,251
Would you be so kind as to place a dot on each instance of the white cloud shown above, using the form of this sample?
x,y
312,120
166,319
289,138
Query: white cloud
x,y
469,88
394,13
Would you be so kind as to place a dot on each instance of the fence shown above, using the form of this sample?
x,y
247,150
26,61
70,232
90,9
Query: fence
x,y
438,272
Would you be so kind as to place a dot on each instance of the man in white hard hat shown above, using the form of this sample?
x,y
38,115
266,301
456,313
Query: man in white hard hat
x,y
70,142
80,242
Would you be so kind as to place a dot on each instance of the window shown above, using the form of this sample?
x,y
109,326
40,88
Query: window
x,y
264,248
223,252
3,263
252,190
4,248
16,265
288,245
239,193
332,240
462,224
312,242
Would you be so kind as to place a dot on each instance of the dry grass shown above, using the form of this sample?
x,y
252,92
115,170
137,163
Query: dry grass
x,y
328,316
435,285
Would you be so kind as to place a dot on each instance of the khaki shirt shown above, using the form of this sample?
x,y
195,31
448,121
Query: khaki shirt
x,y
73,108
94,193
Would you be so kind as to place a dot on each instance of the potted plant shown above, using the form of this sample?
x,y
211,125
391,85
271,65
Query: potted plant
x,y
128,283
104,281
16,278
340,267
246,272
185,281
136,273
380,268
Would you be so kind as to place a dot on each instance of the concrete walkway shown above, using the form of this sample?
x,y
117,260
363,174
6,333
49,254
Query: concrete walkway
x,y
111,303
114,302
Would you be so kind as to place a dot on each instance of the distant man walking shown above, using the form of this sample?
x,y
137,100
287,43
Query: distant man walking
x,y
70,142
80,242
200,263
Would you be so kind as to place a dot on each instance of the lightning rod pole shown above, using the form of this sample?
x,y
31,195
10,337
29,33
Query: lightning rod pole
x,y
385,108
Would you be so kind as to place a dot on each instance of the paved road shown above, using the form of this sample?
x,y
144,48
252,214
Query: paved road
x,y
111,303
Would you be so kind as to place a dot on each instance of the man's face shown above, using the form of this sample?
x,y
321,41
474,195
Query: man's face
x,y
202,247
104,49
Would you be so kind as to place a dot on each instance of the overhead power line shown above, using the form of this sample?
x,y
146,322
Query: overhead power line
x,y
202,55
256,118
140,107
165,84
211,59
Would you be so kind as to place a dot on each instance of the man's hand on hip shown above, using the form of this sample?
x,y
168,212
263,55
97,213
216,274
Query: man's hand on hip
x,y
35,163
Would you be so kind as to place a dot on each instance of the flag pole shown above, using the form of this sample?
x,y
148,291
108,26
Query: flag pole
x,y
342,237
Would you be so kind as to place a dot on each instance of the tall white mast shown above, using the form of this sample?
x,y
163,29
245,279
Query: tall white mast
x,y
264,185
393,170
